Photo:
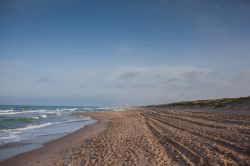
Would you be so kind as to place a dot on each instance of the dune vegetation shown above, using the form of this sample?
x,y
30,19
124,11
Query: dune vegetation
x,y
232,103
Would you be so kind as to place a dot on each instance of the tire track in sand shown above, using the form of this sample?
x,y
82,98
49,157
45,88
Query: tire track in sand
x,y
167,137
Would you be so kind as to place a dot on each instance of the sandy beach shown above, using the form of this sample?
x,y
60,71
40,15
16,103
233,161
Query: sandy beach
x,y
150,137
125,83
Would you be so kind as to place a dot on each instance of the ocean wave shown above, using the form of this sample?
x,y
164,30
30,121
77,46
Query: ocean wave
x,y
88,108
57,111
35,117
118,109
5,112
104,108
68,109
12,137
41,111
18,112
110,108
43,116
30,127
12,123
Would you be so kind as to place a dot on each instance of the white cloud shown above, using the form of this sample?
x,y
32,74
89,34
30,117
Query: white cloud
x,y
125,84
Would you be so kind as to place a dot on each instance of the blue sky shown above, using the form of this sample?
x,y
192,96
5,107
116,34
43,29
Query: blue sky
x,y
113,52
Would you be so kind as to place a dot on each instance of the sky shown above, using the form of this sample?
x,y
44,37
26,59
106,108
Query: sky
x,y
123,52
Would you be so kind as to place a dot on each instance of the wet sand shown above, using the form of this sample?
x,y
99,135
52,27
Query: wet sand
x,y
150,137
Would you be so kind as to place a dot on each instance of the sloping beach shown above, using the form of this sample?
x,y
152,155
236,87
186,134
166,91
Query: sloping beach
x,y
59,150
150,136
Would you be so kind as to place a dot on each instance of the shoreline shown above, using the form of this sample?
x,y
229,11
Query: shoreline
x,y
59,149
142,136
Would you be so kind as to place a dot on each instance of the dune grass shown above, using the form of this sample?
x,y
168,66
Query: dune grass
x,y
242,102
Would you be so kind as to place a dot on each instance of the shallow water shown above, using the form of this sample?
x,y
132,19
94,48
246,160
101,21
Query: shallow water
x,y
24,128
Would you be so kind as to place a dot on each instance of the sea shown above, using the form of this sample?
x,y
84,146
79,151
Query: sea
x,y
24,128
